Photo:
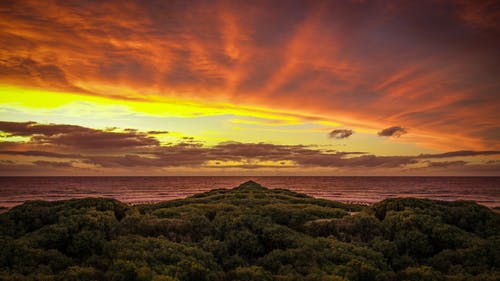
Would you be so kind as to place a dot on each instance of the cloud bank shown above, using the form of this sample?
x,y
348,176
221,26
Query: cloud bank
x,y
131,149
78,137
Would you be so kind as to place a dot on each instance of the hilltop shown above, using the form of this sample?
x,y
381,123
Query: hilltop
x,y
249,233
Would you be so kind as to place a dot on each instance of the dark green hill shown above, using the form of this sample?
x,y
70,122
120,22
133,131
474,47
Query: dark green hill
x,y
250,233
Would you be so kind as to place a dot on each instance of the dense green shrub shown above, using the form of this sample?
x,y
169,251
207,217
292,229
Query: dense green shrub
x,y
250,233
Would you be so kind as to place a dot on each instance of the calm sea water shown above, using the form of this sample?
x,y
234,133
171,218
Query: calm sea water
x,y
16,190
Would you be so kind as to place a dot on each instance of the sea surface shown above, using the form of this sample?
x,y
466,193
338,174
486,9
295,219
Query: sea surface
x,y
136,190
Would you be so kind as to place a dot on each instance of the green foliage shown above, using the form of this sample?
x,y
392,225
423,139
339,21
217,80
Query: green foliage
x,y
249,233
250,273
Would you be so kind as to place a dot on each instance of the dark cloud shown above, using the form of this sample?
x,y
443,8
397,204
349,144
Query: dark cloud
x,y
53,164
182,154
249,155
263,151
338,160
252,154
128,161
31,128
446,164
130,148
340,134
157,132
394,131
461,153
9,169
78,137
36,153
98,140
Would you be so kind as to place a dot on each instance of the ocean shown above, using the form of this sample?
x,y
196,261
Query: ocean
x,y
136,190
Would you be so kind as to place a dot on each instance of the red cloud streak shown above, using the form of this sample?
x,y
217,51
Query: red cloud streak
x,y
431,66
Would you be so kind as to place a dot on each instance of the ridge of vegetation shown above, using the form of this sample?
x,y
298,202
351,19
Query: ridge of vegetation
x,y
250,233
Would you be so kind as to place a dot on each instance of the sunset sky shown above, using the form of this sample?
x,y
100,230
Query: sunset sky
x,y
249,87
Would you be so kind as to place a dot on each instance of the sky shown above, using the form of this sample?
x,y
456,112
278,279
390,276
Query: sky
x,y
287,88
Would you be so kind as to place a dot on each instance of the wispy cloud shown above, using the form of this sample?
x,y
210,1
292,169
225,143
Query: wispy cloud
x,y
432,66
340,134
394,131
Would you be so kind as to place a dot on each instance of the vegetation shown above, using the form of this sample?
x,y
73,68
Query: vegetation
x,y
250,233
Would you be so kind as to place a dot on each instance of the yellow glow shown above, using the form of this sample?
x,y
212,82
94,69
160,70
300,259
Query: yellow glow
x,y
155,105
265,122
222,164
265,125
5,138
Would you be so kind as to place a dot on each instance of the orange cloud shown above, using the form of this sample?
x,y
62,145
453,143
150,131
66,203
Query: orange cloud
x,y
430,66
